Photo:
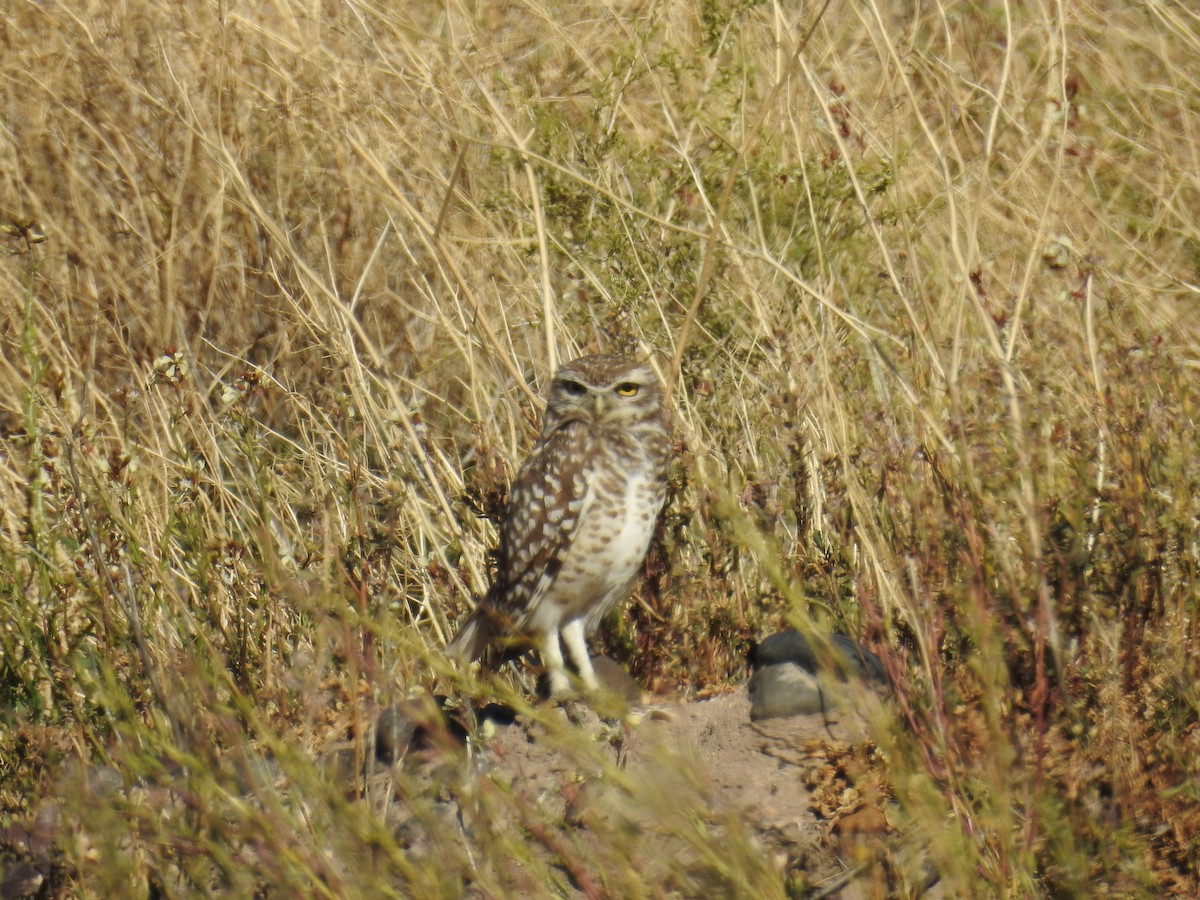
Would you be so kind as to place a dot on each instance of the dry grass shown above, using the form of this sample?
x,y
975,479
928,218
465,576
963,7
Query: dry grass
x,y
930,281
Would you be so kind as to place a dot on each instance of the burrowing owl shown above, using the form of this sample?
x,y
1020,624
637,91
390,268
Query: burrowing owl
x,y
580,515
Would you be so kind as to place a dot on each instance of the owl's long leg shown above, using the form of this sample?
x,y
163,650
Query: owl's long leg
x,y
555,665
576,641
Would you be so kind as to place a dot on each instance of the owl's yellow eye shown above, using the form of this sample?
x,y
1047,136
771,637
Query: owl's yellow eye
x,y
628,389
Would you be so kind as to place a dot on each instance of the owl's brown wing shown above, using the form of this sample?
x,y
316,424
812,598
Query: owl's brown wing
x,y
548,500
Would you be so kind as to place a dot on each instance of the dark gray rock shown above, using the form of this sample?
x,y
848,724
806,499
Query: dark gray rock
x,y
22,879
420,724
849,657
394,730
784,689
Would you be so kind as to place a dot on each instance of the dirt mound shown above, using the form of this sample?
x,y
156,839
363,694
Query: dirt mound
x,y
667,784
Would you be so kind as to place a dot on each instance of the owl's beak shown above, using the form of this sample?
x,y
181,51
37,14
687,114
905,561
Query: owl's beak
x,y
599,405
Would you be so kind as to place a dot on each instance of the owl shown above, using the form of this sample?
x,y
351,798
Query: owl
x,y
580,516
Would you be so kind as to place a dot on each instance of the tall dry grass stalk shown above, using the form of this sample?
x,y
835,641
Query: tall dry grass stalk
x,y
285,280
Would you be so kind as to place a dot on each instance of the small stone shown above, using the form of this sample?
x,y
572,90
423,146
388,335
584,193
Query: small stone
x,y
783,689
22,879
614,679
419,723
394,730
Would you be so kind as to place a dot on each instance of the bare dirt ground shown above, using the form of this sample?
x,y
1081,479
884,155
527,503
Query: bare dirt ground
x,y
807,795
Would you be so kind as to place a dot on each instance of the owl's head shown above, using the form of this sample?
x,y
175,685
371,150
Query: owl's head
x,y
603,389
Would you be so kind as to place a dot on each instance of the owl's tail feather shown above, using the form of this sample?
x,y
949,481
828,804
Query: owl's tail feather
x,y
474,638
490,635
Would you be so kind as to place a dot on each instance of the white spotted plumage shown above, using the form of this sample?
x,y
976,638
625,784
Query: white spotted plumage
x,y
580,515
